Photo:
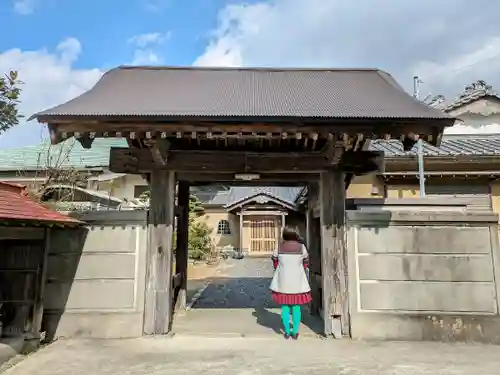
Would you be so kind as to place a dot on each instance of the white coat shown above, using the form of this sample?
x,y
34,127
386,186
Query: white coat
x,y
290,276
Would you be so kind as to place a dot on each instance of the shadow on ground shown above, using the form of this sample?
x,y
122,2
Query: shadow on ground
x,y
236,293
236,304
272,320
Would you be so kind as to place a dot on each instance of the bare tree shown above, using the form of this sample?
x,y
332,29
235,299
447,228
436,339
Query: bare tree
x,y
53,167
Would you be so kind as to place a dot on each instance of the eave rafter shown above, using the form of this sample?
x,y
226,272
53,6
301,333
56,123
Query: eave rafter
x,y
302,136
246,147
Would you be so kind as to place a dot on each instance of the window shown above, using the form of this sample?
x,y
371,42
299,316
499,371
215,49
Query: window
x,y
223,227
139,189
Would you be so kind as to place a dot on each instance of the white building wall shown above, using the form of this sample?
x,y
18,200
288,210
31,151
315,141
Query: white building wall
x,y
476,124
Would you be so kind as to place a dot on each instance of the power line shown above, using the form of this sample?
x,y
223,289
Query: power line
x,y
458,70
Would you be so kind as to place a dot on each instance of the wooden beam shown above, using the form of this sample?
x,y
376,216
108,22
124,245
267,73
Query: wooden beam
x,y
181,253
21,233
236,125
131,160
285,179
158,300
334,253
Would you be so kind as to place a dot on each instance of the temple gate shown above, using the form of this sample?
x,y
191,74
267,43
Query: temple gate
x,y
190,126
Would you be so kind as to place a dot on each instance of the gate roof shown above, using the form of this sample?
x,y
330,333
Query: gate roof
x,y
245,93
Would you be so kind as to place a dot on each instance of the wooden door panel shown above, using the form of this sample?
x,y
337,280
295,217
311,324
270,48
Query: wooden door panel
x,y
263,234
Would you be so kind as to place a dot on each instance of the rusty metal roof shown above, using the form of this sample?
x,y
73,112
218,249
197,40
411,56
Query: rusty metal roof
x,y
245,93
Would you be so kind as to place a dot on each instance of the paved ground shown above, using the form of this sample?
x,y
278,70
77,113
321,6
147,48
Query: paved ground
x,y
208,341
255,356
238,302
244,283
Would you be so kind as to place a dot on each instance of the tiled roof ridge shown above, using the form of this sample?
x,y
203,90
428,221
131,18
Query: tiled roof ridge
x,y
474,91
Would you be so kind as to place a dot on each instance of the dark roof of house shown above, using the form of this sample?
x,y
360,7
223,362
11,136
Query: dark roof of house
x,y
245,93
239,193
451,145
15,205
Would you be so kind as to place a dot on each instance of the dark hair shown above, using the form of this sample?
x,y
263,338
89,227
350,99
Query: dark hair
x,y
290,234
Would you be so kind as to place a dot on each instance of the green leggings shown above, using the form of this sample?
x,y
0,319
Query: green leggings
x,y
294,310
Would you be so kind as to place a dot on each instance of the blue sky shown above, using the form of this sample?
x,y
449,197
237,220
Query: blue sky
x,y
103,27
109,34
62,47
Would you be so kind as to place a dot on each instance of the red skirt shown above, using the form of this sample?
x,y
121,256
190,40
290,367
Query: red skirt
x,y
292,299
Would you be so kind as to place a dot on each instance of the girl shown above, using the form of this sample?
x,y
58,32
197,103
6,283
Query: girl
x,y
290,287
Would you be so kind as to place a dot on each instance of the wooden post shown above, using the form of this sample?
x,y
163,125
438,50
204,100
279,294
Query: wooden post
x,y
333,253
158,302
181,254
312,243
41,281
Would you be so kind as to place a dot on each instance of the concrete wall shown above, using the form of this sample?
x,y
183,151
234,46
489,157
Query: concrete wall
x,y
495,198
96,276
424,275
480,116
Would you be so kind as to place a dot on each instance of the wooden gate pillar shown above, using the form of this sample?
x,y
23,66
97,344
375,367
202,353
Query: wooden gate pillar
x,y
334,253
313,246
158,298
181,253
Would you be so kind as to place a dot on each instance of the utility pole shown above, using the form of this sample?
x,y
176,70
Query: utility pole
x,y
420,147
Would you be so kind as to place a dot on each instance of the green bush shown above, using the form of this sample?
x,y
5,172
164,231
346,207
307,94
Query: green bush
x,y
199,242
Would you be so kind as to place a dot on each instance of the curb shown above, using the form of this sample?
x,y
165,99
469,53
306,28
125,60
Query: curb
x,y
197,295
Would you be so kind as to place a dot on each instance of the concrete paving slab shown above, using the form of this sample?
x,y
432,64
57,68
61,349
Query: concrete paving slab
x,y
257,321
254,356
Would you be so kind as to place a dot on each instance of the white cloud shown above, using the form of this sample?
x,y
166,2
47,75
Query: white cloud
x,y
49,79
482,60
147,47
24,7
145,57
448,46
148,39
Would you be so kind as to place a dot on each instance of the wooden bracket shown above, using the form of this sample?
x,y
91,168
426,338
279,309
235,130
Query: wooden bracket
x,y
333,153
86,142
55,136
159,151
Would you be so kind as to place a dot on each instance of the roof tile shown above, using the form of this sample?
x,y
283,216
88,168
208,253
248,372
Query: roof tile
x,y
484,145
16,205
